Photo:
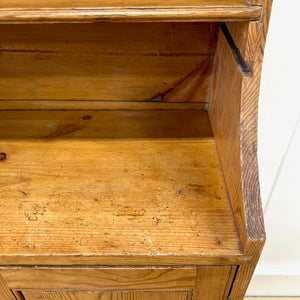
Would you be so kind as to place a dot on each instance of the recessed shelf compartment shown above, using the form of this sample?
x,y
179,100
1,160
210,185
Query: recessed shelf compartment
x,y
113,184
45,11
128,158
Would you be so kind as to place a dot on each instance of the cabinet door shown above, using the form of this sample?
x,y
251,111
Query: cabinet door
x,y
106,296
161,283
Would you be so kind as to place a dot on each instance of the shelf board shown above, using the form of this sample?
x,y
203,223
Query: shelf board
x,y
40,11
116,186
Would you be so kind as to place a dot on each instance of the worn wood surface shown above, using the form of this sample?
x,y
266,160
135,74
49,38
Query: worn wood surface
x,y
236,136
20,11
255,45
153,62
213,283
116,279
28,295
224,111
143,193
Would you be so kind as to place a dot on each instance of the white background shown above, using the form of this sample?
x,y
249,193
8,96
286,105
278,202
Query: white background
x,y
278,272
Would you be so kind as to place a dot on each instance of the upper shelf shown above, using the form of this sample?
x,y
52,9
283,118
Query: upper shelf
x,y
54,11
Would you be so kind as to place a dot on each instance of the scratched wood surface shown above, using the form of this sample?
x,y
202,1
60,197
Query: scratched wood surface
x,y
28,295
164,62
20,11
233,112
124,196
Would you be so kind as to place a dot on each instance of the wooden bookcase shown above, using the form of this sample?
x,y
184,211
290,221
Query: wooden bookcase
x,y
128,140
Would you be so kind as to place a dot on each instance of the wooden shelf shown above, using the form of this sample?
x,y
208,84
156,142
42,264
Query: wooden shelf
x,y
115,186
39,11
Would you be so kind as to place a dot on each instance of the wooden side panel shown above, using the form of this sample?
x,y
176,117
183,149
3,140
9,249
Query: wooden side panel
x,y
117,279
213,283
164,62
224,111
239,133
28,295
255,46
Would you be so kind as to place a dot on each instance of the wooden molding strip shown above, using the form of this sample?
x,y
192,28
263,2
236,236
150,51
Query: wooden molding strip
x,y
134,14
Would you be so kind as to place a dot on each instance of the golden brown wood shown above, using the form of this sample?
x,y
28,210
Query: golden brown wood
x,y
149,205
233,112
20,11
224,111
256,2
98,105
125,260
148,39
5,293
112,177
106,296
213,283
116,279
128,187
107,62
99,125
254,217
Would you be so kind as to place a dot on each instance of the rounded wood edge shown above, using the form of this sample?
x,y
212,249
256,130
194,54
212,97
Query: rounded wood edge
x,y
143,14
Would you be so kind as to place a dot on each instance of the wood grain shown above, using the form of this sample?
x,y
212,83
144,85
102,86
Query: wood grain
x,y
99,125
125,260
255,46
213,283
57,185
224,111
86,105
57,190
148,39
5,293
116,279
237,139
20,11
35,4
106,296
101,62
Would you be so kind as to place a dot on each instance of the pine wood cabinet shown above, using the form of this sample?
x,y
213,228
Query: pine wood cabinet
x,y
128,140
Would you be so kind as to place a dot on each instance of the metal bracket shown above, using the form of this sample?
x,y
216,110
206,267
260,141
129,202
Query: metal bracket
x,y
244,66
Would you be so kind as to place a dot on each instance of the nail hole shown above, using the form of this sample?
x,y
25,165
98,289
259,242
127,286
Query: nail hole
x,y
86,117
2,156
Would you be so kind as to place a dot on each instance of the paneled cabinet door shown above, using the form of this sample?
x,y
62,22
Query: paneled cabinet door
x,y
106,296
152,283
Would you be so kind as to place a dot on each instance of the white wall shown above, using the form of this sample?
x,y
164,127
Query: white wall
x,y
278,272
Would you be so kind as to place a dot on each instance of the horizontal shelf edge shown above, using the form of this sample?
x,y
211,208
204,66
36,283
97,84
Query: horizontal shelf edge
x,y
121,260
133,14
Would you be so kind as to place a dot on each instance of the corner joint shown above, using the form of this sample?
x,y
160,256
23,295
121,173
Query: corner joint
x,y
244,66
